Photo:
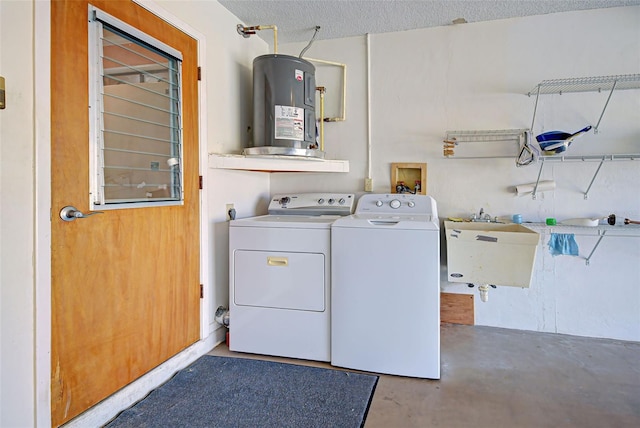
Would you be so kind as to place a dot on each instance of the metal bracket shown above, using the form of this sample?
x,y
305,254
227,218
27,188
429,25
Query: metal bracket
x,y
586,193
586,261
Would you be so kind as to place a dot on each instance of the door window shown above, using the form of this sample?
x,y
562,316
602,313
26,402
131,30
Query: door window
x,y
134,115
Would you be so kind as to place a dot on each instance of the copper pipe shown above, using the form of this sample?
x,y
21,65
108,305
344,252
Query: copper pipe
x,y
249,31
344,88
322,90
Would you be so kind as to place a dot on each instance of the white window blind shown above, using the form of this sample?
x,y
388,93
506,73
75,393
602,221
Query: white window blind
x,y
136,122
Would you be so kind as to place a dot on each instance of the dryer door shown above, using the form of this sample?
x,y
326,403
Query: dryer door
x,y
282,280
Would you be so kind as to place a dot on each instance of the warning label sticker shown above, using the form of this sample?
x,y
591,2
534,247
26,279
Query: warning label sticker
x,y
289,123
299,75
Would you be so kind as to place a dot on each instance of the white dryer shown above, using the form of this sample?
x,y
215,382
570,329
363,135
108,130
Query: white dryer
x,y
280,278
385,277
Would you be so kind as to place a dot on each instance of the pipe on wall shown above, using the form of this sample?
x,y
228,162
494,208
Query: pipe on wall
x,y
322,90
343,116
249,31
368,179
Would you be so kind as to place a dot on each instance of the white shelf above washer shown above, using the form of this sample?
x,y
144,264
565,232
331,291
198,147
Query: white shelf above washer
x,y
276,163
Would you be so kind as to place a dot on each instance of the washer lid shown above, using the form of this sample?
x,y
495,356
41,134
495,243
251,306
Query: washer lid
x,y
397,222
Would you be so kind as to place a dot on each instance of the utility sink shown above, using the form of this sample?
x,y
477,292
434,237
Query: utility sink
x,y
490,253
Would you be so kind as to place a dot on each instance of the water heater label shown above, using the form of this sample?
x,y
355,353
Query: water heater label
x,y
299,75
289,123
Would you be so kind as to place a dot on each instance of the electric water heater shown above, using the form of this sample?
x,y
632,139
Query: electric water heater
x,y
284,118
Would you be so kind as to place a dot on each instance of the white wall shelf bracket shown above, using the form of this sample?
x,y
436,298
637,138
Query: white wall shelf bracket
x,y
535,188
593,250
586,193
613,87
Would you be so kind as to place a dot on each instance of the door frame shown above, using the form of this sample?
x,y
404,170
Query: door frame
x,y
44,215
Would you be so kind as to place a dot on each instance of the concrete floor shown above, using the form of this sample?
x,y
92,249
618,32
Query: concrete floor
x,y
494,377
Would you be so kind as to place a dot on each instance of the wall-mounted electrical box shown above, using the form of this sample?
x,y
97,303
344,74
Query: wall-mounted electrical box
x,y
409,178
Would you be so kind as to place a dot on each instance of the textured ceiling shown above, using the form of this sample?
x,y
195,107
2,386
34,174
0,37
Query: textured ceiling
x,y
297,19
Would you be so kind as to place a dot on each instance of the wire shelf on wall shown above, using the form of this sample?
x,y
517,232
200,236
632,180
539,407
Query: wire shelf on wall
x,y
587,84
500,143
599,232
587,158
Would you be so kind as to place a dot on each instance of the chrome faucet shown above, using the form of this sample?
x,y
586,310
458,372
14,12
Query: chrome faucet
x,y
482,216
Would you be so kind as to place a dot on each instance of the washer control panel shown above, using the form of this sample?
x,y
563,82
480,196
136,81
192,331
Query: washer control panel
x,y
312,204
396,204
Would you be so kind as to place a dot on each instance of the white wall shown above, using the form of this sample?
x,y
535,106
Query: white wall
x,y
473,77
17,379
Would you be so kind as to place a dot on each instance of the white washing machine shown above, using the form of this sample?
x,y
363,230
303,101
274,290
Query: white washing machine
x,y
280,278
385,286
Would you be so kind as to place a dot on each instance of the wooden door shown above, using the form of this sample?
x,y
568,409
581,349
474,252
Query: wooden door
x,y
125,284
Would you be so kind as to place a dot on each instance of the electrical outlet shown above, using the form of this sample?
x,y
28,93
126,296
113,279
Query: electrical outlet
x,y
368,185
228,208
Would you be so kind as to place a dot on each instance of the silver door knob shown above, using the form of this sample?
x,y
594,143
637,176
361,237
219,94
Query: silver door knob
x,y
70,213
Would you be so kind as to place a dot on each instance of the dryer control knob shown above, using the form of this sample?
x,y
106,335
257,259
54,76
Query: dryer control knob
x,y
378,203
332,201
342,201
285,200
395,204
321,201
411,204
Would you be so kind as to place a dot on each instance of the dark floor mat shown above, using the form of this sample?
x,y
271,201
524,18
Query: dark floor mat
x,y
238,392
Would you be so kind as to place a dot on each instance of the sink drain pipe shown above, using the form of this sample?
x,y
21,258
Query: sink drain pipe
x,y
484,290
